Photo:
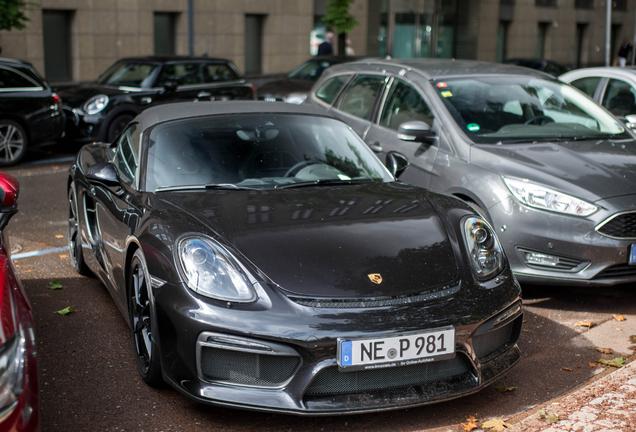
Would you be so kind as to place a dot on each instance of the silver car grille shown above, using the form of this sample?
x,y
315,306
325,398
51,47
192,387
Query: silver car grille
x,y
619,226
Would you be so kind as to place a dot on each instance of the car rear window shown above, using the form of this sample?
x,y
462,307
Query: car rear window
x,y
330,88
11,79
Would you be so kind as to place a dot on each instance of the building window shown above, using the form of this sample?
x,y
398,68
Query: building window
x,y
542,31
620,5
56,32
164,33
578,48
404,35
584,4
253,44
502,41
548,3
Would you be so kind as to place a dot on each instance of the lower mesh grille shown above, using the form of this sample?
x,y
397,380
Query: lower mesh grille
x,y
246,367
617,271
487,343
331,381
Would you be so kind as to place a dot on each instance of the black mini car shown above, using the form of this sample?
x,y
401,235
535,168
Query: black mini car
x,y
99,111
266,259
30,112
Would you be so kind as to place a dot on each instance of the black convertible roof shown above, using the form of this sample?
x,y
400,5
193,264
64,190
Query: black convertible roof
x,y
179,111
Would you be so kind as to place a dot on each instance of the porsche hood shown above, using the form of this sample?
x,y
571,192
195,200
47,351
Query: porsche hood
x,y
337,242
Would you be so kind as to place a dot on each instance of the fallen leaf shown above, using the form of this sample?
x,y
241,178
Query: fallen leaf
x,y
471,423
592,364
63,256
588,324
59,236
55,284
547,417
567,369
619,317
615,362
602,350
65,311
497,425
28,271
56,167
505,389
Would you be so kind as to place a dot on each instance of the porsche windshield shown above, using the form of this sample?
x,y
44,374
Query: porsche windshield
x,y
129,74
249,151
509,109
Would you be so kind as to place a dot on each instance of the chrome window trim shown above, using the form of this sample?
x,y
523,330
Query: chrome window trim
x,y
609,219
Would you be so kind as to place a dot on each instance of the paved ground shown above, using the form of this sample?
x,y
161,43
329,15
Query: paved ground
x,y
89,379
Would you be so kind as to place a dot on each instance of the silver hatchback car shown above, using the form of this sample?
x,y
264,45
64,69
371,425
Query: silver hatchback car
x,y
553,171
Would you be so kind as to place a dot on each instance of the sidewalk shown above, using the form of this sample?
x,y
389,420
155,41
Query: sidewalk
x,y
605,405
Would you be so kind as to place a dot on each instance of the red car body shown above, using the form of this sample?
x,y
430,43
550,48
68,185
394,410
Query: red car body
x,y
18,365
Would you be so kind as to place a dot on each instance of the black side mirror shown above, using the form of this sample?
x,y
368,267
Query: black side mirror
x,y
397,163
9,190
416,131
105,174
170,86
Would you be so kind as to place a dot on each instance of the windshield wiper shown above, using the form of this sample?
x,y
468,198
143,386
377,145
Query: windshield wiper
x,y
218,186
323,182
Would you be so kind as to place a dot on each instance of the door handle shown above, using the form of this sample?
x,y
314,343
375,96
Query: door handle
x,y
203,94
375,147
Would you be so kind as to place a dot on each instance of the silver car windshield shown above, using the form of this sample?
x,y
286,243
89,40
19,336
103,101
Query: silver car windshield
x,y
129,74
510,109
257,151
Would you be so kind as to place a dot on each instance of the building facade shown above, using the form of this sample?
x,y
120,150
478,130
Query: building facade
x,y
76,40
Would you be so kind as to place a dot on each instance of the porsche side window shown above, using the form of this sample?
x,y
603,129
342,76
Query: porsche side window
x,y
360,97
620,98
404,104
587,85
329,90
127,156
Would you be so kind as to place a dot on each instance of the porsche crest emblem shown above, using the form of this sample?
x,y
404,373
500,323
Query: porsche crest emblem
x,y
375,278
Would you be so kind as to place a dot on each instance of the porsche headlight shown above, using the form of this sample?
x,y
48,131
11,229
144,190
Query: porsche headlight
x,y
95,104
486,255
541,197
212,272
296,98
12,369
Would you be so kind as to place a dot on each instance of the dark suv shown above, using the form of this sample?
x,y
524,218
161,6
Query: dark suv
x,y
30,112
99,111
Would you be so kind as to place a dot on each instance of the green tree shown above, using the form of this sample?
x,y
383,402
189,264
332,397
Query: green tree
x,y
12,14
340,20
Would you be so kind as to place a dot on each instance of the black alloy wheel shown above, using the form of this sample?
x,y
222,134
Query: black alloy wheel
x,y
13,142
144,333
117,126
74,237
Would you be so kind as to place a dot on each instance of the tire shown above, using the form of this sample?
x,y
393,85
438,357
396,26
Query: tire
x,y
117,126
13,142
142,322
74,237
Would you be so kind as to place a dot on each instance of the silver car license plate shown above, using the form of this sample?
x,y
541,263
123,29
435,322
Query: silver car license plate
x,y
400,350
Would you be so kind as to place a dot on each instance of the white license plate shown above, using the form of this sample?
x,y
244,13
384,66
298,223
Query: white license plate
x,y
400,350
632,255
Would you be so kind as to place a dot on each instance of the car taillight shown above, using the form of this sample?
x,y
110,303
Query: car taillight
x,y
253,91
57,99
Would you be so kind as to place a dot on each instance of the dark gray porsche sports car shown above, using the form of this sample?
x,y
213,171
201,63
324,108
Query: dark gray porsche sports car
x,y
266,259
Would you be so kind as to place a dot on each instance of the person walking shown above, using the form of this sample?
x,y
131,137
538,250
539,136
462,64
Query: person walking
x,y
326,48
624,52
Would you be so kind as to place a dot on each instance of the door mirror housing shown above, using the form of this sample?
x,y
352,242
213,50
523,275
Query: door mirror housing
x,y
105,174
170,86
9,190
630,121
416,131
397,163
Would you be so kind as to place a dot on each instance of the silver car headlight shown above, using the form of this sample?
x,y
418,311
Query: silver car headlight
x,y
296,98
12,369
95,104
544,198
211,271
486,254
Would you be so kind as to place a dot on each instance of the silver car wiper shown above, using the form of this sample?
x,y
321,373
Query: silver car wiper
x,y
221,186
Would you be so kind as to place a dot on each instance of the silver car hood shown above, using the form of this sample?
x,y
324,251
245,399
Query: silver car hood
x,y
590,169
